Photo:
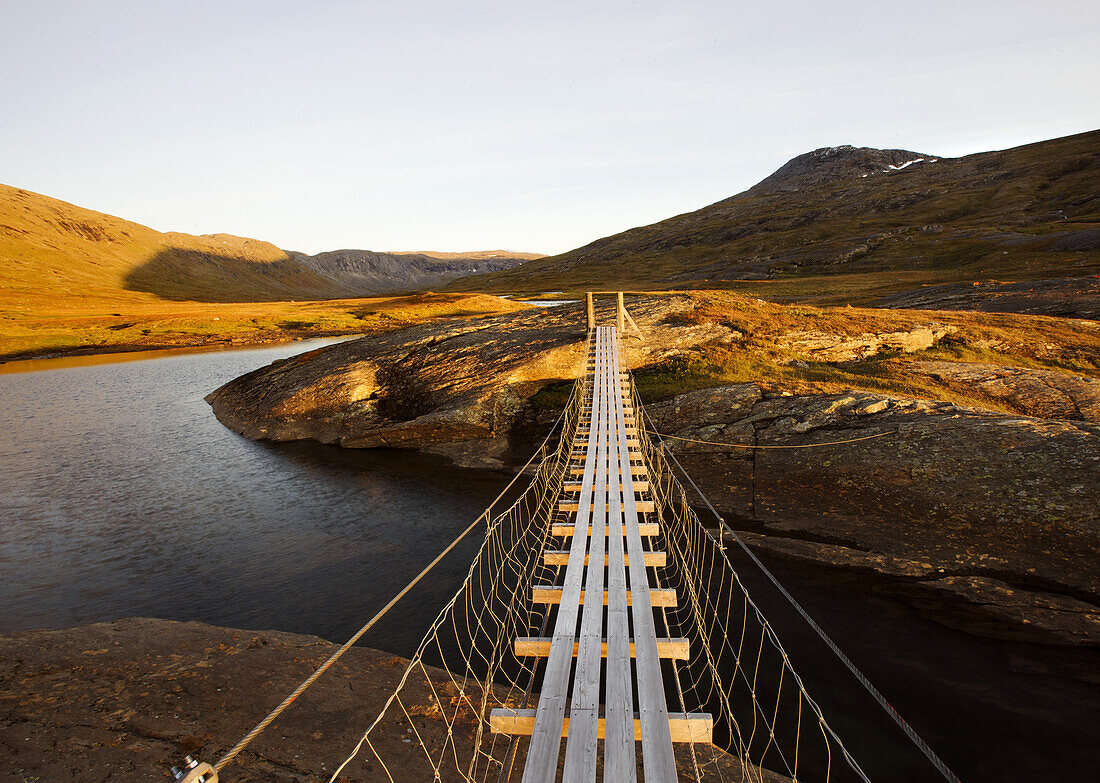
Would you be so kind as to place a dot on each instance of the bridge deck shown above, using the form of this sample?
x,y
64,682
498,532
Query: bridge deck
x,y
592,647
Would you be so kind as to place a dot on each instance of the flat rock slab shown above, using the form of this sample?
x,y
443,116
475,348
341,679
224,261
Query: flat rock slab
x,y
909,488
126,700
1043,393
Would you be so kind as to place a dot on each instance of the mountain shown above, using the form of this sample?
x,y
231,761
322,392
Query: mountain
x,y
51,250
364,270
855,224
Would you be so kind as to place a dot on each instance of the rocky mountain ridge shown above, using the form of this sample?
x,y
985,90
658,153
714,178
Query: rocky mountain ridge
x,y
371,272
830,164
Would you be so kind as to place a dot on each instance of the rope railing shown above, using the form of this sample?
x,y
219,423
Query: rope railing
x,y
282,706
435,725
658,456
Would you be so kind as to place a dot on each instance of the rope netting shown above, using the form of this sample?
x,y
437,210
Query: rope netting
x,y
435,725
465,665
739,670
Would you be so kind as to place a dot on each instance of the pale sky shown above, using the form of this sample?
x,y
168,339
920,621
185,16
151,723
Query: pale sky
x,y
403,125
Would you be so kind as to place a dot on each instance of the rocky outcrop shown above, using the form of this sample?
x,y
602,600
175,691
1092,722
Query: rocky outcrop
x,y
999,510
453,388
829,347
1042,393
126,700
919,490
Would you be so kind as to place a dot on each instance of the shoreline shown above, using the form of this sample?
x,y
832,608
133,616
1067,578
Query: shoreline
x,y
182,345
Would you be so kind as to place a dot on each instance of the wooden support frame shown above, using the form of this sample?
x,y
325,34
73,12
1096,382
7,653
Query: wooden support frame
x,y
694,727
549,594
678,649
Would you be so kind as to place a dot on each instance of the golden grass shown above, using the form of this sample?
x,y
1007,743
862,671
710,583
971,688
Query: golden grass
x,y
1037,342
66,271
71,328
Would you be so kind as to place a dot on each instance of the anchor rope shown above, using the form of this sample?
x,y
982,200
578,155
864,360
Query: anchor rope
x,y
663,435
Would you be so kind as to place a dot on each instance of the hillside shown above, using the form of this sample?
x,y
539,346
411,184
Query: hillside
x,y
854,224
50,248
75,279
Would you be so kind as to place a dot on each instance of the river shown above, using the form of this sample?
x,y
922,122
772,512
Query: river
x,y
123,496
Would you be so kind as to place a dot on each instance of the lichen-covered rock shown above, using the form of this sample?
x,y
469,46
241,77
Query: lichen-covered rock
x,y
829,347
125,700
1043,393
910,487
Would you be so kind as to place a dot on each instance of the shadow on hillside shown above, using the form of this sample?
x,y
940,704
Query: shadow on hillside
x,y
181,274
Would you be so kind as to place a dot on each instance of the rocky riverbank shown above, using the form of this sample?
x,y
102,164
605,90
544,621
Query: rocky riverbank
x,y
996,510
126,700
989,507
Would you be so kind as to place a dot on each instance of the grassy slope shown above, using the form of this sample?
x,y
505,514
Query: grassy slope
x,y
151,325
65,271
858,239
59,254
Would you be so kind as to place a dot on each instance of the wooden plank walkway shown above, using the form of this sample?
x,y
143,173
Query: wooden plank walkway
x,y
592,658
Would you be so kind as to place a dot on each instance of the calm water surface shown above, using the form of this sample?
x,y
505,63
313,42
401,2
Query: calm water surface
x,y
121,495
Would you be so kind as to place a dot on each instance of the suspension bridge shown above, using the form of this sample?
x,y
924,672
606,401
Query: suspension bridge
x,y
601,633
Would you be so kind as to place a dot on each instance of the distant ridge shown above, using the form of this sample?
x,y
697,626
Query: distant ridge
x,y
381,273
50,248
855,223
472,255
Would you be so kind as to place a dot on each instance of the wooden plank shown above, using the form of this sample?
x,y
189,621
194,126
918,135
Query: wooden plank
x,y
658,761
576,486
644,529
639,505
634,443
543,752
549,594
620,759
677,649
584,710
695,727
636,470
561,557
636,454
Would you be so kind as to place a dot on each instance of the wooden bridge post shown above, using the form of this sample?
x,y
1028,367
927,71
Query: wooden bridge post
x,y
620,319
591,311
